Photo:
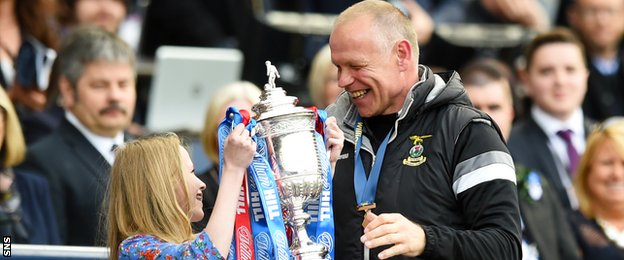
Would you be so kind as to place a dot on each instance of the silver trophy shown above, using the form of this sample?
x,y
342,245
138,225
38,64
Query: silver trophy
x,y
292,148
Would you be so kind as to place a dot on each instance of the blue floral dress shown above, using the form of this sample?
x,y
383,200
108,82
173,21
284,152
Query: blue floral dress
x,y
151,247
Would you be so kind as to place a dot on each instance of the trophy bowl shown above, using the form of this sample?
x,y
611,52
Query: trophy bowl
x,y
293,153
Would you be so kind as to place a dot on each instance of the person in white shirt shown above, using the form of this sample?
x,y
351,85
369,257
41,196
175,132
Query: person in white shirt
x,y
552,136
546,231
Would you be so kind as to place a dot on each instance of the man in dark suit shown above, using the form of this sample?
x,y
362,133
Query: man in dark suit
x,y
546,233
600,24
97,86
551,138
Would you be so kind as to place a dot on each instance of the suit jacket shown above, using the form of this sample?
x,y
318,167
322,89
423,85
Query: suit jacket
x,y
37,212
546,223
78,175
604,92
528,145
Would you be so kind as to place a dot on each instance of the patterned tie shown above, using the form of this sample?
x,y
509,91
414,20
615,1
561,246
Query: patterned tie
x,y
573,155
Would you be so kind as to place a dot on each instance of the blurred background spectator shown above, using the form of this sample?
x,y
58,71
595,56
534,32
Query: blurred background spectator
x,y
536,14
599,185
600,24
28,38
108,14
241,95
97,86
26,212
122,17
552,135
546,231
484,76
470,29
322,81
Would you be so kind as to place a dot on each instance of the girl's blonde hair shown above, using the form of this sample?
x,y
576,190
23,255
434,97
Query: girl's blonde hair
x,y
610,130
13,148
142,192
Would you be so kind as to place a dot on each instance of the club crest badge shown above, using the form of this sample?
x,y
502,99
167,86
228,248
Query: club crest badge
x,y
416,156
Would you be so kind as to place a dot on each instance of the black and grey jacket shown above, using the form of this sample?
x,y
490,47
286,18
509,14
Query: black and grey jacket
x,y
460,189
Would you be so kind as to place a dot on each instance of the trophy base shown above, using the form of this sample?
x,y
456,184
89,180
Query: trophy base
x,y
309,252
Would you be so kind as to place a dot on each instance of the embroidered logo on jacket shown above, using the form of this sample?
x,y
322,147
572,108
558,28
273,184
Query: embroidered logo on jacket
x,y
415,157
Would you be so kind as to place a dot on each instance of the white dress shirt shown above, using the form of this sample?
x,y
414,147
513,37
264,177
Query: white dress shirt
x,y
551,125
102,144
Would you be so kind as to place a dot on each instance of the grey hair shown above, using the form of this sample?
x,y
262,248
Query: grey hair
x,y
87,45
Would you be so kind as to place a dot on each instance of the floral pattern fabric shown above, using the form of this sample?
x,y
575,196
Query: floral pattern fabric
x,y
150,247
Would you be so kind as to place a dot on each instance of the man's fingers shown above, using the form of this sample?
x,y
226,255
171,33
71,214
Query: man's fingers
x,y
368,217
395,250
389,238
381,231
381,220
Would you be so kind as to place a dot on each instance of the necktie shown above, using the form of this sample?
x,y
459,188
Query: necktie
x,y
113,151
573,155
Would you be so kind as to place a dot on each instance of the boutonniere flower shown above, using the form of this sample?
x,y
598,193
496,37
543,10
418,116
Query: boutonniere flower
x,y
529,184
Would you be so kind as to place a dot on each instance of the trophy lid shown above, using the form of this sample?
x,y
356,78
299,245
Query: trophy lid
x,y
274,101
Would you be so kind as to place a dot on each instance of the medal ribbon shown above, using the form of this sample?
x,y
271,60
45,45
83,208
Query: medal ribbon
x,y
259,227
321,226
267,224
244,241
242,248
269,232
365,189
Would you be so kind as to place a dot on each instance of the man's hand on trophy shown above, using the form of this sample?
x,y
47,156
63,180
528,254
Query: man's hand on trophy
x,y
406,237
334,142
238,149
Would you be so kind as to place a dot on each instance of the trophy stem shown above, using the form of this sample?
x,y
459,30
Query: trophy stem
x,y
302,247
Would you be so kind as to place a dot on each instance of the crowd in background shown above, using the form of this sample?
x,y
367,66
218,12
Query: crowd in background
x,y
555,89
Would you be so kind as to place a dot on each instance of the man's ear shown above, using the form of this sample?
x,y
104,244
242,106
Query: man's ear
x,y
67,92
404,54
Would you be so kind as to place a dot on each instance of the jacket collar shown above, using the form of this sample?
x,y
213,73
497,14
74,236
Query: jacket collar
x,y
433,90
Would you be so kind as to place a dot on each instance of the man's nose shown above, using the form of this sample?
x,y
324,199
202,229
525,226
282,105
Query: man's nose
x,y
344,78
115,93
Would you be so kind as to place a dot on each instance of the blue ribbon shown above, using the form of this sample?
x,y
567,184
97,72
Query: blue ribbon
x,y
271,214
321,226
267,224
365,189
